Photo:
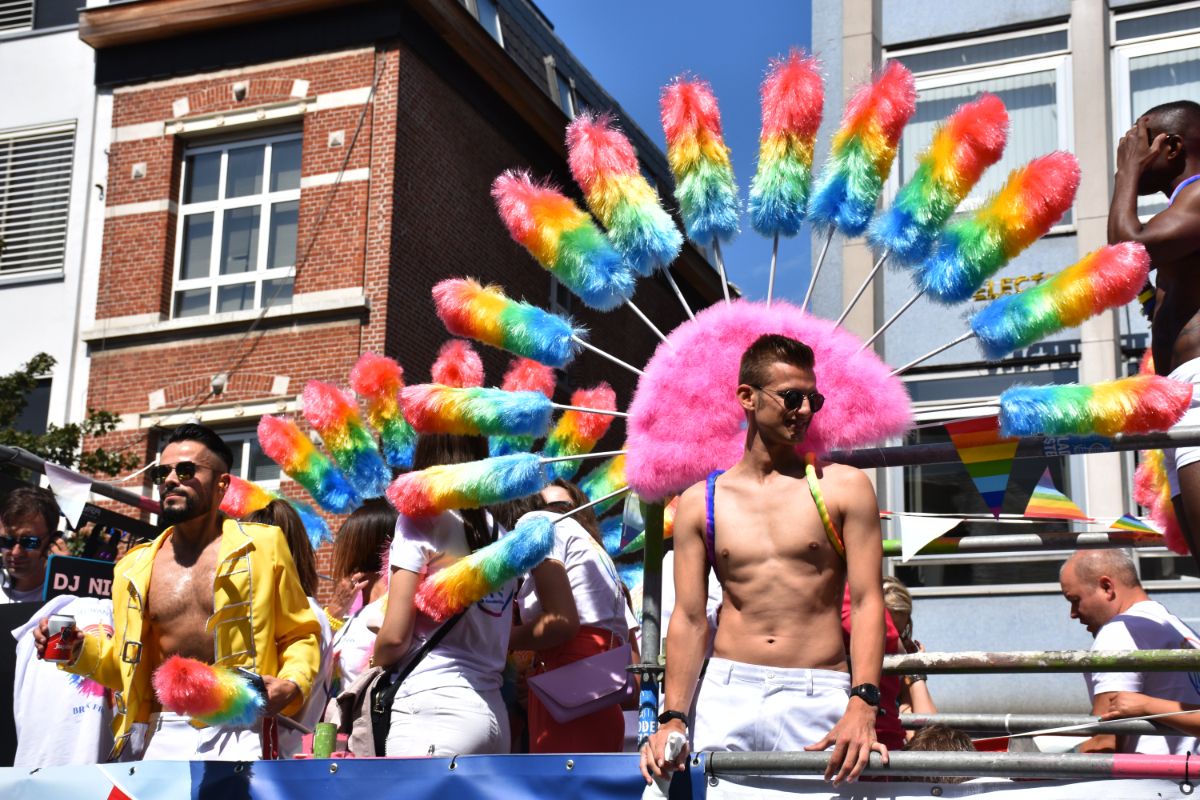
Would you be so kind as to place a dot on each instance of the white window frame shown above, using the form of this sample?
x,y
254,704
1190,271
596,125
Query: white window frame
x,y
238,439
218,208
1059,62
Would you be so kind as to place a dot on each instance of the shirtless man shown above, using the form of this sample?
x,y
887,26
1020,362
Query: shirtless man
x,y
198,578
779,678
1161,153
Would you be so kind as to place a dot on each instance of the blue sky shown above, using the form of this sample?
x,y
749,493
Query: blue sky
x,y
634,49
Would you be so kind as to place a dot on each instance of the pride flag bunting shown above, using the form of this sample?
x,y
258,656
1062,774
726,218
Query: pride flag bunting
x,y
987,457
1131,523
1050,502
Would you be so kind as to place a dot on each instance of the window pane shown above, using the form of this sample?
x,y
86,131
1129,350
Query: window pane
x,y
1003,50
1158,79
282,245
1033,124
239,245
197,246
262,468
192,303
245,175
236,446
566,96
1155,24
238,297
489,17
284,285
285,166
203,177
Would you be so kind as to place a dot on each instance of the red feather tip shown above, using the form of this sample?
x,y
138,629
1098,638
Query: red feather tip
x,y
376,376
527,375
458,365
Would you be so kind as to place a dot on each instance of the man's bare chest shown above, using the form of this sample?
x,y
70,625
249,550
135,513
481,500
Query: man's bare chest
x,y
180,590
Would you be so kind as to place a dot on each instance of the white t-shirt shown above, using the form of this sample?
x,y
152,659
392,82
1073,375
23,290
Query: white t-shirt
x,y
472,655
11,595
1149,626
353,645
61,718
594,581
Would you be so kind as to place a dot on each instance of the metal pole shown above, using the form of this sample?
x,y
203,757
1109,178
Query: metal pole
x,y
1042,661
646,320
771,280
651,621
26,460
1030,542
1027,447
1061,766
613,359
862,288
1005,724
586,410
678,293
721,267
888,324
812,282
932,353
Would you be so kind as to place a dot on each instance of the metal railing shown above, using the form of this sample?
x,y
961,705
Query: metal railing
x,y
1042,661
27,460
1015,724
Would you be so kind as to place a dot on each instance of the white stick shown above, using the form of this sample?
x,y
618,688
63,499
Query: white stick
x,y
589,410
721,267
600,352
863,288
771,281
646,320
817,270
888,324
597,502
678,293
933,353
584,455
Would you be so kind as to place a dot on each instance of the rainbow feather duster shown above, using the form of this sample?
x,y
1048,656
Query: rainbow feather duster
x,y
972,250
1153,491
610,532
288,447
524,375
604,480
457,365
604,165
378,380
1137,404
314,525
964,145
577,432
792,100
1108,278
704,184
487,315
334,415
476,412
470,579
244,497
669,518
862,152
478,483
216,696
563,239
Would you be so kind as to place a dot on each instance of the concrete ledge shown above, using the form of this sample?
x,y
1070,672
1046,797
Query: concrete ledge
x,y
313,309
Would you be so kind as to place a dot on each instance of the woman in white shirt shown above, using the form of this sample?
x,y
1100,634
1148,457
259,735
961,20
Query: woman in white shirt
x,y
450,704
596,619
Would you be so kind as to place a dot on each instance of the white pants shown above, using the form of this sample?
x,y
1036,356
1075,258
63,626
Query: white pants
x,y
747,707
1179,457
450,721
171,737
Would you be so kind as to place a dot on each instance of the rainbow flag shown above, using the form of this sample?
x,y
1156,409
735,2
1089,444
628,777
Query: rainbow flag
x,y
1132,523
1050,502
987,457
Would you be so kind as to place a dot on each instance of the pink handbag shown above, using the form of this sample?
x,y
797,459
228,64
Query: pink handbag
x,y
587,685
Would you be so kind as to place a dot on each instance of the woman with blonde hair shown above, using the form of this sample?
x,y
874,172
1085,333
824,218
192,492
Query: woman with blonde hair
x,y
914,697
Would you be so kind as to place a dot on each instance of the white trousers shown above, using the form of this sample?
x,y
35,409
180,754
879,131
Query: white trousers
x,y
449,721
748,707
1176,458
171,737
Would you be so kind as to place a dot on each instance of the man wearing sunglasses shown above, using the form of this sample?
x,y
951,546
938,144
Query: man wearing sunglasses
x,y
208,588
28,528
783,538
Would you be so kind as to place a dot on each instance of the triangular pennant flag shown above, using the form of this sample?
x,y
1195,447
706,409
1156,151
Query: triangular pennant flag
x,y
1132,523
1047,501
987,457
70,489
916,532
634,523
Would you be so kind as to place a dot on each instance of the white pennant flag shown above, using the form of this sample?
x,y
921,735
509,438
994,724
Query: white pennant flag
x,y
916,532
70,489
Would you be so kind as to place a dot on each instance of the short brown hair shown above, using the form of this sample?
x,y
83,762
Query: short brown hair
x,y
281,514
30,501
939,738
363,537
768,349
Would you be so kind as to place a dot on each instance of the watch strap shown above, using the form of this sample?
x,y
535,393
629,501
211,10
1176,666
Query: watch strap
x,y
667,716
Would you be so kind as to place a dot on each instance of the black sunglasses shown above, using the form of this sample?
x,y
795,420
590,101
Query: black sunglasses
x,y
186,470
794,398
27,542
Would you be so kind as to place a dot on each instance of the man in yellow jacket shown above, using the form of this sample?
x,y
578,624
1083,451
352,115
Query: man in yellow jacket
x,y
208,588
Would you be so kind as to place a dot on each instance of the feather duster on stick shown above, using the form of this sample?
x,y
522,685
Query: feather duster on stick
x,y
378,380
478,483
578,432
335,416
288,447
216,696
603,481
245,497
458,366
1137,404
476,412
524,375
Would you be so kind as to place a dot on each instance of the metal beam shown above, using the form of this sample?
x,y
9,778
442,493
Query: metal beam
x,y
1030,542
27,460
1020,662
1003,724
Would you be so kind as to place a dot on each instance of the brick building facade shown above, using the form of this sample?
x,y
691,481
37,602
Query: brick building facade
x,y
224,188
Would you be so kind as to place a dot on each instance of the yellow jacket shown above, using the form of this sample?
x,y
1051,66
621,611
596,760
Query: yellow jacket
x,y
280,636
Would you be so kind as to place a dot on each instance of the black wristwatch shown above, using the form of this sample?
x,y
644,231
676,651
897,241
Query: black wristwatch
x,y
868,692
667,716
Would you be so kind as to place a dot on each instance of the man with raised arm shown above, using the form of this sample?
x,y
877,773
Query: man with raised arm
x,y
1161,153
208,588
783,540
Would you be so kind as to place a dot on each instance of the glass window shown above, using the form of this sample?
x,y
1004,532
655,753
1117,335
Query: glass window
x,y
984,52
249,461
1138,27
489,18
246,197
566,95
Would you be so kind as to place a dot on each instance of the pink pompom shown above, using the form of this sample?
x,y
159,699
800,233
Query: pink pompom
x,y
527,375
792,96
592,427
376,376
685,419
458,366
187,687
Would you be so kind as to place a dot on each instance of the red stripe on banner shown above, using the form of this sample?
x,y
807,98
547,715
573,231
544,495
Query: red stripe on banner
x,y
117,794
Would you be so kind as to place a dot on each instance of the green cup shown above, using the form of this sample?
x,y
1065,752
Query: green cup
x,y
324,740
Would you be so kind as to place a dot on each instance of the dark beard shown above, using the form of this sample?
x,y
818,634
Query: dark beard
x,y
190,510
